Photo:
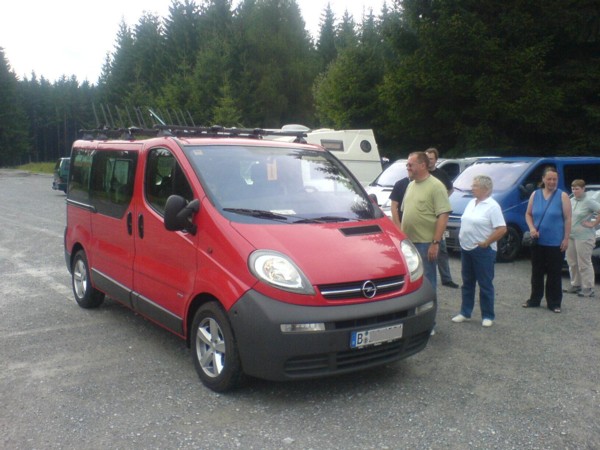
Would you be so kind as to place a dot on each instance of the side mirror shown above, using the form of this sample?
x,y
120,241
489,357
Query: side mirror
x,y
527,189
178,214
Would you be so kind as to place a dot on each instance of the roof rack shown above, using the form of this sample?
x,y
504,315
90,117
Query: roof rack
x,y
133,133
131,123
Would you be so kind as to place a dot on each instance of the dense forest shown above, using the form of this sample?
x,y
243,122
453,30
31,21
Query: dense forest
x,y
467,76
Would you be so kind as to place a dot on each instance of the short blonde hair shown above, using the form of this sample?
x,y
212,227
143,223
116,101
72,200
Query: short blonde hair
x,y
578,183
484,182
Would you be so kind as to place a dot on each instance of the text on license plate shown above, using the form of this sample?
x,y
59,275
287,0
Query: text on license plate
x,y
363,338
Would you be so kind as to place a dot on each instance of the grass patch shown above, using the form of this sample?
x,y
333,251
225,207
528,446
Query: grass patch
x,y
38,167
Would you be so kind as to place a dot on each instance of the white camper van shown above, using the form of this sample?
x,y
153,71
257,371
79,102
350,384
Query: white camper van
x,y
357,149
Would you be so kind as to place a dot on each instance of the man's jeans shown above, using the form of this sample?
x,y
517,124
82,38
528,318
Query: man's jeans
x,y
443,263
429,267
478,267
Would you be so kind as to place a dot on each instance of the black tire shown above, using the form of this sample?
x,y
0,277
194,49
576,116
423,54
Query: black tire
x,y
85,294
509,247
214,349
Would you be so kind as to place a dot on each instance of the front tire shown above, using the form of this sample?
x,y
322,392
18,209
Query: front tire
x,y
509,247
85,294
214,349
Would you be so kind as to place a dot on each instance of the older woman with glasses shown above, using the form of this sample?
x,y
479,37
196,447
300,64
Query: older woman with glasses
x,y
482,224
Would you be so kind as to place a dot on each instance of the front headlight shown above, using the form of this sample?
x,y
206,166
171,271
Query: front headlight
x,y
413,259
279,271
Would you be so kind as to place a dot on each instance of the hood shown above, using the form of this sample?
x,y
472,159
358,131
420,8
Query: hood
x,y
333,252
459,201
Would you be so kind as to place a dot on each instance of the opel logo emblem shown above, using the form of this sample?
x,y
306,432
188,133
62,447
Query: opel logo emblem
x,y
369,290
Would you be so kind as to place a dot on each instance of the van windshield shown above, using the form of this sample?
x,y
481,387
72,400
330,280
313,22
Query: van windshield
x,y
279,184
393,173
504,174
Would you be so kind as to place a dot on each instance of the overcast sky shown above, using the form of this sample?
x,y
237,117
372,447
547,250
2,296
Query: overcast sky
x,y
72,37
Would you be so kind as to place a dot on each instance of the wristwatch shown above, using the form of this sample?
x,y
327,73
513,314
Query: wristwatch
x,y
435,241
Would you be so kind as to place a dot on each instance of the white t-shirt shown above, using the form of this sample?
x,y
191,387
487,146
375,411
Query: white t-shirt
x,y
479,221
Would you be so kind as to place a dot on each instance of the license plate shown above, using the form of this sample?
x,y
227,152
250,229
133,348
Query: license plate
x,y
359,339
446,234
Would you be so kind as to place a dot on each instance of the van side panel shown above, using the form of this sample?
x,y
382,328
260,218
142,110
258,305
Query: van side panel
x,y
112,248
357,149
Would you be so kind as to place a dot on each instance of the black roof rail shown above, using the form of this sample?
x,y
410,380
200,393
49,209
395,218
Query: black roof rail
x,y
218,130
133,133
125,134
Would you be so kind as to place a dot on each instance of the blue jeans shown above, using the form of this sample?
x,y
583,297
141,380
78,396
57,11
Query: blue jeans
x,y
443,263
478,267
429,267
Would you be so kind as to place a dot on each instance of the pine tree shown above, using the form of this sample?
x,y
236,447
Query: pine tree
x,y
14,143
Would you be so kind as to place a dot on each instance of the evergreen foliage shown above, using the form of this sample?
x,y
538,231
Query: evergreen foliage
x,y
467,76
13,123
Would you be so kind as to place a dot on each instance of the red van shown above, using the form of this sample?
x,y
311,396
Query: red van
x,y
268,257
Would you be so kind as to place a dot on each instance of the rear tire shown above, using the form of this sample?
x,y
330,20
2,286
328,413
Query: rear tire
x,y
85,294
214,349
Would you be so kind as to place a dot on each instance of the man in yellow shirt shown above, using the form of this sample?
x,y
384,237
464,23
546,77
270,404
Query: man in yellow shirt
x,y
425,211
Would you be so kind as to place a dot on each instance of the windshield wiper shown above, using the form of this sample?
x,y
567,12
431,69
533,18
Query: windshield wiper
x,y
323,219
261,214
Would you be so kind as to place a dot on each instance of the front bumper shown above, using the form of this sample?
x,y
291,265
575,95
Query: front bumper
x,y
453,228
267,352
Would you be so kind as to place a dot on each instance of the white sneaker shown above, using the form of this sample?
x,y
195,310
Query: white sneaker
x,y
487,323
460,318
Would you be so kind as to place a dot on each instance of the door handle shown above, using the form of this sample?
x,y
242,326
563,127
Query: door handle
x,y
141,225
130,223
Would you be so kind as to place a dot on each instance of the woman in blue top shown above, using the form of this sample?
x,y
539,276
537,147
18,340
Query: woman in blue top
x,y
549,219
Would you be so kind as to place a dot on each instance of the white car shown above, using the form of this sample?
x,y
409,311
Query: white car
x,y
382,186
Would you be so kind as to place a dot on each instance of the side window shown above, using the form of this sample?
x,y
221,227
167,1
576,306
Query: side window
x,y
111,186
590,173
451,169
164,177
79,176
534,179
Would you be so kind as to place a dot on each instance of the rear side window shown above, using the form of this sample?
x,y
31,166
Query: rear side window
x,y
79,176
111,186
590,173
103,179
164,177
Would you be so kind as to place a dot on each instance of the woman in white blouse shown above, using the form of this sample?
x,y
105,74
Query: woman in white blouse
x,y
482,224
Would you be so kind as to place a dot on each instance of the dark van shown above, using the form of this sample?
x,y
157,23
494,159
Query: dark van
x,y
514,181
61,174
267,256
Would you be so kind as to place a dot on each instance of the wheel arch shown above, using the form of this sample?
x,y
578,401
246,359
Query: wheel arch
x,y
512,238
195,304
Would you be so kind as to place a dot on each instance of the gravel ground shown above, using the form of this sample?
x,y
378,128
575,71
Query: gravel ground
x,y
78,379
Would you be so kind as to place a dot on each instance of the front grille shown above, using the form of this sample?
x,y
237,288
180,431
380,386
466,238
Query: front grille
x,y
350,360
452,243
344,291
384,319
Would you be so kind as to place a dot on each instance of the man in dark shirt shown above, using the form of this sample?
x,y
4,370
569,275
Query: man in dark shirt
x,y
443,263
396,197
